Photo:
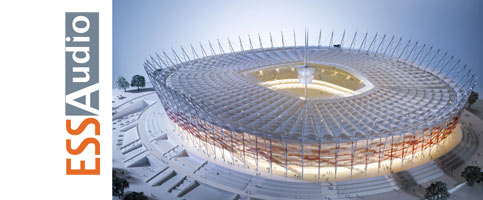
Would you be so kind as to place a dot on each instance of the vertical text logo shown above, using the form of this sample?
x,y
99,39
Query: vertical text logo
x,y
82,64
82,90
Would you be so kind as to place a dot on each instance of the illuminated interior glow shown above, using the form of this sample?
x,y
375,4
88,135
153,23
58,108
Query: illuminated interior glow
x,y
316,85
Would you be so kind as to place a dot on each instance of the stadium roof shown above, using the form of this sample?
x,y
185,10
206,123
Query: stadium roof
x,y
401,96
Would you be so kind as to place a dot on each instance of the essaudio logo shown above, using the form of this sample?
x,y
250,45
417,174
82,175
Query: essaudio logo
x,y
82,88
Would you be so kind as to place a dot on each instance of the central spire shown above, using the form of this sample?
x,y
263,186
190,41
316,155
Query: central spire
x,y
305,62
306,47
306,73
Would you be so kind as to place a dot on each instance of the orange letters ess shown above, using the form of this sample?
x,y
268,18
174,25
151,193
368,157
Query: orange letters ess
x,y
82,146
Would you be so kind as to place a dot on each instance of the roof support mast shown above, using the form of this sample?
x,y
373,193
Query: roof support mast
x,y
283,43
320,36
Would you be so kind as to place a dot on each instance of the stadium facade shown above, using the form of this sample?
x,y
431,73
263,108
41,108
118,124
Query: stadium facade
x,y
298,110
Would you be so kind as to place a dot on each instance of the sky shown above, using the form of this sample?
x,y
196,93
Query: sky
x,y
142,28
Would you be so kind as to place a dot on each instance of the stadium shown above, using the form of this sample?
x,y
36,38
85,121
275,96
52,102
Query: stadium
x,y
327,108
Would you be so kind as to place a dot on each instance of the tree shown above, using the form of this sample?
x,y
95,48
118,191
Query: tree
x,y
472,99
472,175
437,190
138,81
122,83
118,185
135,196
